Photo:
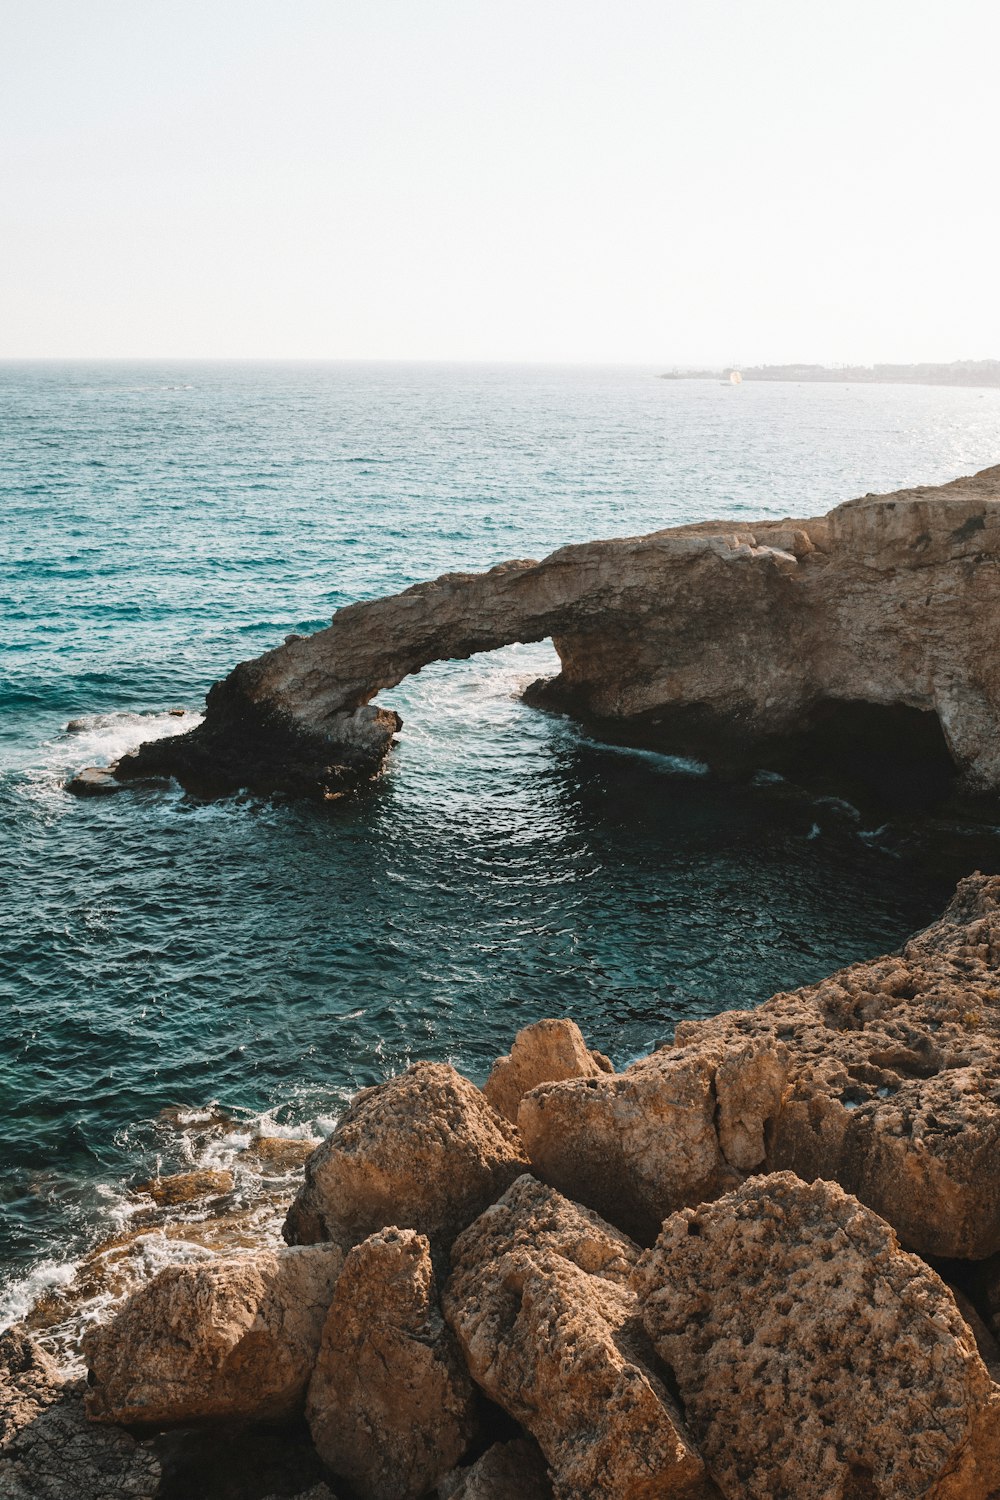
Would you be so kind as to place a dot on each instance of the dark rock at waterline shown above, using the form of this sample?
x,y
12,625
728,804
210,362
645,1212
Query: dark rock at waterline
x,y
95,781
867,638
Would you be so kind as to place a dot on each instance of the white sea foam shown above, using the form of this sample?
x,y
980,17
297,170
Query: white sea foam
x,y
100,739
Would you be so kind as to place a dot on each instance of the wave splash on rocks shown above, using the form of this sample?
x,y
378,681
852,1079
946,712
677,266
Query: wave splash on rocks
x,y
763,1261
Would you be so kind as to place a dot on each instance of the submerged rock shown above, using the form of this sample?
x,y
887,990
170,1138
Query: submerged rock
x,y
423,1151
224,1338
541,1053
815,1359
868,639
540,1301
390,1404
187,1187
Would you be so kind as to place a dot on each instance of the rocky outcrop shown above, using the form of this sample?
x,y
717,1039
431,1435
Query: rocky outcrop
x,y
816,1360
423,1151
677,1127
507,1471
868,637
541,1053
226,1338
540,1301
882,1078
390,1404
48,1449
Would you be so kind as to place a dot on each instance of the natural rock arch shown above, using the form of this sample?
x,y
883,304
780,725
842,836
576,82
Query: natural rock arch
x,y
719,639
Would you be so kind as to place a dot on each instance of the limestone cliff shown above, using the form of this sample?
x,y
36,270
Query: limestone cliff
x,y
866,634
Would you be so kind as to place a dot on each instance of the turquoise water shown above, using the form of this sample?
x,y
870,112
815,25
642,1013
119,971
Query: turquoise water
x,y
161,523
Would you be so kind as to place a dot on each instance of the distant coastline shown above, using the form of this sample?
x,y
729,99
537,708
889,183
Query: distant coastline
x,y
964,372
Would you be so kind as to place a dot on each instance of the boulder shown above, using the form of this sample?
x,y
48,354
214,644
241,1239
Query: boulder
x,y
48,1449
815,1359
544,1052
233,1338
390,1404
507,1471
423,1151
677,1127
539,1298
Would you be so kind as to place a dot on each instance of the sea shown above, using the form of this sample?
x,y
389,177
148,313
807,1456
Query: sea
x,y
179,976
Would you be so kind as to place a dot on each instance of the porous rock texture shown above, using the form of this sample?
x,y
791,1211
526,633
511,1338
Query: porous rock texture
x,y
815,1359
544,1052
884,1077
871,632
224,1338
540,1300
390,1403
684,1124
48,1450
422,1151
507,1471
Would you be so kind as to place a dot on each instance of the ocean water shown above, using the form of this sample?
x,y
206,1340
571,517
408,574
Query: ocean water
x,y
160,523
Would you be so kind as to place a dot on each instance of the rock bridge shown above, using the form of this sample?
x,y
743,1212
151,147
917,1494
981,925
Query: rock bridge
x,y
869,635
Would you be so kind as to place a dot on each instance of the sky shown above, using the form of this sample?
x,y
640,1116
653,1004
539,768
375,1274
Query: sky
x,y
673,182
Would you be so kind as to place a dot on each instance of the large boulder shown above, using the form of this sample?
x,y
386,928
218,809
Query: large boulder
x,y
423,1151
390,1404
677,1127
539,1298
226,1337
815,1359
544,1052
48,1449
507,1471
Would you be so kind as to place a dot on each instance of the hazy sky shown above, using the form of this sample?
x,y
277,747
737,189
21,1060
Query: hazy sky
x,y
500,179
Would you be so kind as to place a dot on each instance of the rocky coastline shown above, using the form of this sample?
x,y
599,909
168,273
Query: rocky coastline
x,y
762,1262
864,641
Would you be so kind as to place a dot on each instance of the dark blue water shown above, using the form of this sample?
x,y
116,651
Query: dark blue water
x,y
161,523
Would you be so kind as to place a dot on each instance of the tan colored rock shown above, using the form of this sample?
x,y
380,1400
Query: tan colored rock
x,y
540,1304
187,1187
769,642
423,1151
677,1127
221,1338
280,1153
544,1052
892,1069
507,1471
48,1449
815,1359
390,1406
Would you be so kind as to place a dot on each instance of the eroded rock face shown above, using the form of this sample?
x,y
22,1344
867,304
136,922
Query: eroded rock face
x,y
815,1359
226,1338
893,1071
423,1151
507,1471
854,635
540,1301
679,1126
48,1450
882,1078
544,1052
390,1404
